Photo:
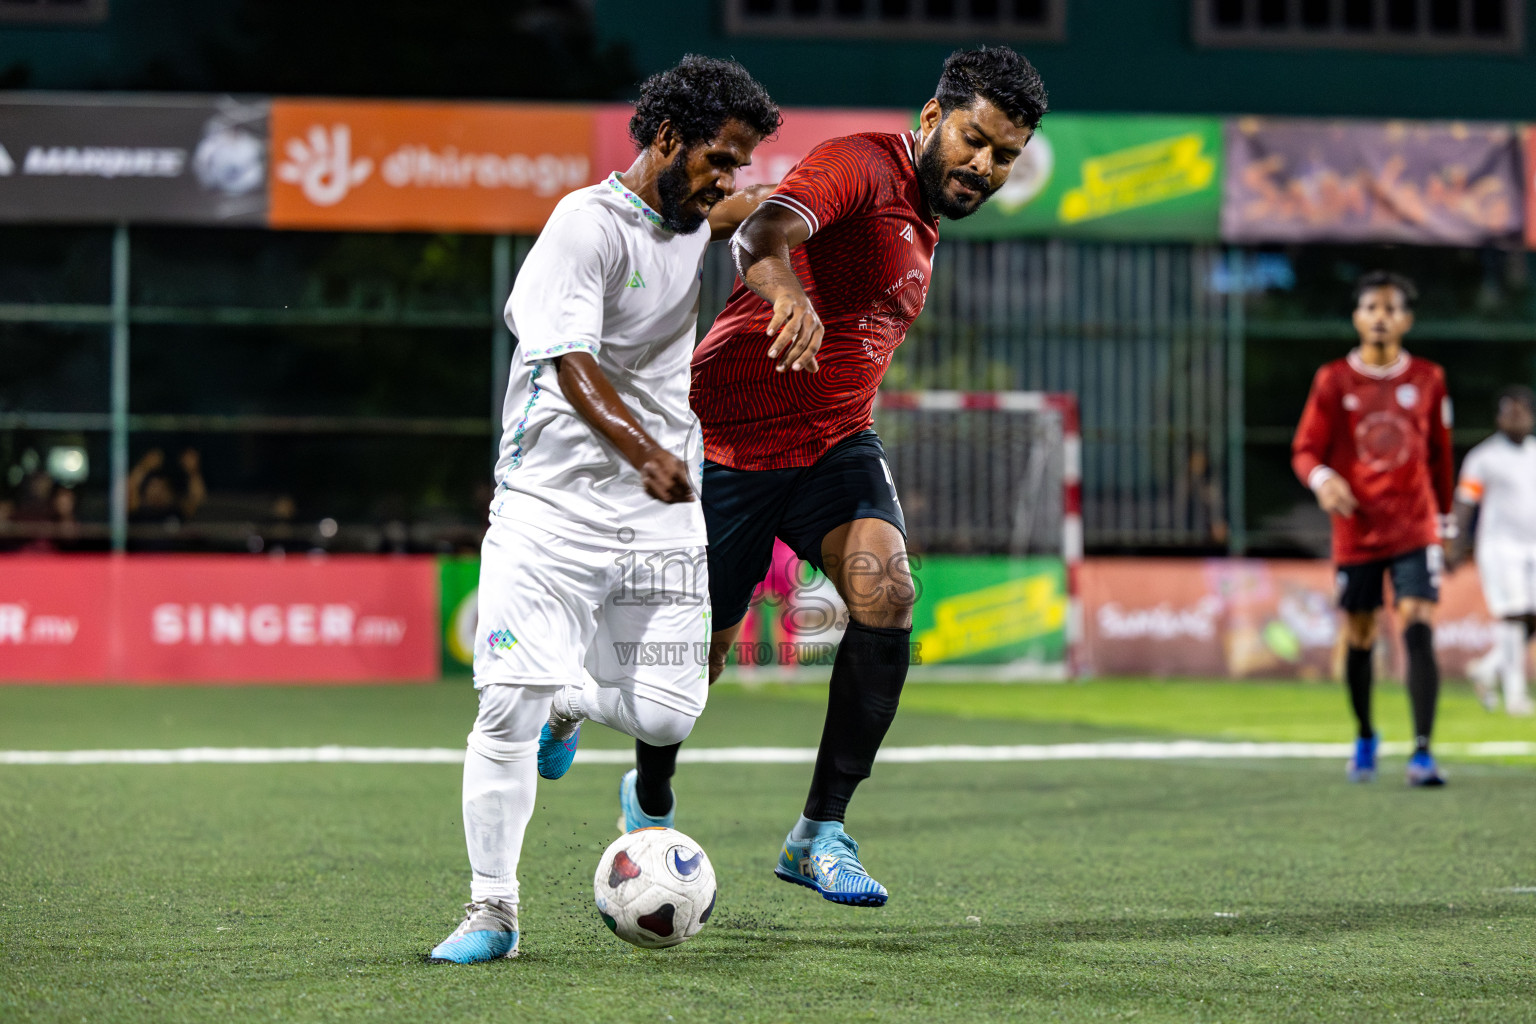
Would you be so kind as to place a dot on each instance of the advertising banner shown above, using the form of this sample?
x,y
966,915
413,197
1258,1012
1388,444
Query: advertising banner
x,y
425,166
1239,618
1528,150
1424,183
1107,176
990,610
218,619
803,130
459,593
76,159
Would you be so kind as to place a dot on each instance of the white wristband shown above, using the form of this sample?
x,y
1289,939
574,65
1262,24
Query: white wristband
x,y
1320,476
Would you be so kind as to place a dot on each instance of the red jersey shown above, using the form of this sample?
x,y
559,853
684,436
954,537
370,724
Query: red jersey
x,y
865,268
1387,431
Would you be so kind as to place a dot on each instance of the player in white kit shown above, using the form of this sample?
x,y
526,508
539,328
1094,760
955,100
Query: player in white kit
x,y
594,559
1498,479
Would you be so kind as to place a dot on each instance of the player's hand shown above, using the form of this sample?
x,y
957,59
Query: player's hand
x,y
796,331
1335,497
666,477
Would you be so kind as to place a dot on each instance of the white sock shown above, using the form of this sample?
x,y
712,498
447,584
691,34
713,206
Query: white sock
x,y
1488,662
498,804
1511,647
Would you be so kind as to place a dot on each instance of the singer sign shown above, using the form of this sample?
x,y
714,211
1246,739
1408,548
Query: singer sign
x,y
195,619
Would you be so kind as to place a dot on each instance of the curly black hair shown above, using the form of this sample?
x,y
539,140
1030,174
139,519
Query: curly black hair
x,y
698,96
998,75
1387,279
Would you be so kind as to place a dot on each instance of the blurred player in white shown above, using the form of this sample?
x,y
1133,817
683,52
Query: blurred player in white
x,y
595,551
1498,481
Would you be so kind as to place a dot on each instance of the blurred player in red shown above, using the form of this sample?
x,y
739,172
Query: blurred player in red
x,y
1374,445
834,269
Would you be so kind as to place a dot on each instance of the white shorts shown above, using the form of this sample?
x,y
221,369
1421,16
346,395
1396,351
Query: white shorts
x,y
549,607
1508,574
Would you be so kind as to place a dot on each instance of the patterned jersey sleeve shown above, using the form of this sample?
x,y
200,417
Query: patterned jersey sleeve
x,y
840,178
1314,433
556,305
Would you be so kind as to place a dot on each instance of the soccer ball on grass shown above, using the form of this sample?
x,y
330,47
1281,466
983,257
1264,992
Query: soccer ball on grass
x,y
654,887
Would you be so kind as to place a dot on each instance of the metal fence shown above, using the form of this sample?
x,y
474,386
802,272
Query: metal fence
x,y
1139,333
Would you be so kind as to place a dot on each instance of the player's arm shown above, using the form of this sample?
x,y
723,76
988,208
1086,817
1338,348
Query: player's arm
x,y
729,213
1309,450
591,394
761,250
1469,495
1442,468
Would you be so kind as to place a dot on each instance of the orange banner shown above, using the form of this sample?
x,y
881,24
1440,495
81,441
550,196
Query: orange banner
x,y
1248,619
425,166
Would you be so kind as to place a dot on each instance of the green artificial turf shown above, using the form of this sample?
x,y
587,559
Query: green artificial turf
x,y
1073,891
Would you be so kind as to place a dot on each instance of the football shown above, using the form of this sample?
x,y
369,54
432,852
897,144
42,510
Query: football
x,y
654,887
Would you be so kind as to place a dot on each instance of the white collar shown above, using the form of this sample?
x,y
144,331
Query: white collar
x,y
1396,368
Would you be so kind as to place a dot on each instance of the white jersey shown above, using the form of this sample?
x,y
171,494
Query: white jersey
x,y
1500,476
604,277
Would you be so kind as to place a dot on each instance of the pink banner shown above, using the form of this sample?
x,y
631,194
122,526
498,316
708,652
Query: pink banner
x,y
1247,619
804,129
218,619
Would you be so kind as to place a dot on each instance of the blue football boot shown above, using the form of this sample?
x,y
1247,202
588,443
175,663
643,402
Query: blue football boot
x,y
1361,767
488,932
829,863
1422,770
557,744
631,816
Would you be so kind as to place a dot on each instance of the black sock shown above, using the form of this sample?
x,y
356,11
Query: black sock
x,y
654,768
1423,680
1357,676
867,676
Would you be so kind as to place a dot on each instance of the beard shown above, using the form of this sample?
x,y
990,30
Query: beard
x,y
933,176
672,185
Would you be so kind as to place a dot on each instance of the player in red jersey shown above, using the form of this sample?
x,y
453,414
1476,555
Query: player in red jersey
x,y
1374,445
834,269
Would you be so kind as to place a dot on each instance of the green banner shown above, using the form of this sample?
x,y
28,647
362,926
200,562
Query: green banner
x,y
459,593
1109,176
990,610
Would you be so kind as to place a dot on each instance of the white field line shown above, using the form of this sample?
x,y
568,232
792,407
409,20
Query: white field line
x,y
1125,751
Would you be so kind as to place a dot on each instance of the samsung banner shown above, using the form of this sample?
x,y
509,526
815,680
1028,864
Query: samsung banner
x,y
73,159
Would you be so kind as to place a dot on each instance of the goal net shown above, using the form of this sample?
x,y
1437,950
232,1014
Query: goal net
x,y
985,472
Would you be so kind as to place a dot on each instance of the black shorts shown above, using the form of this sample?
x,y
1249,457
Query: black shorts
x,y
1415,574
745,509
